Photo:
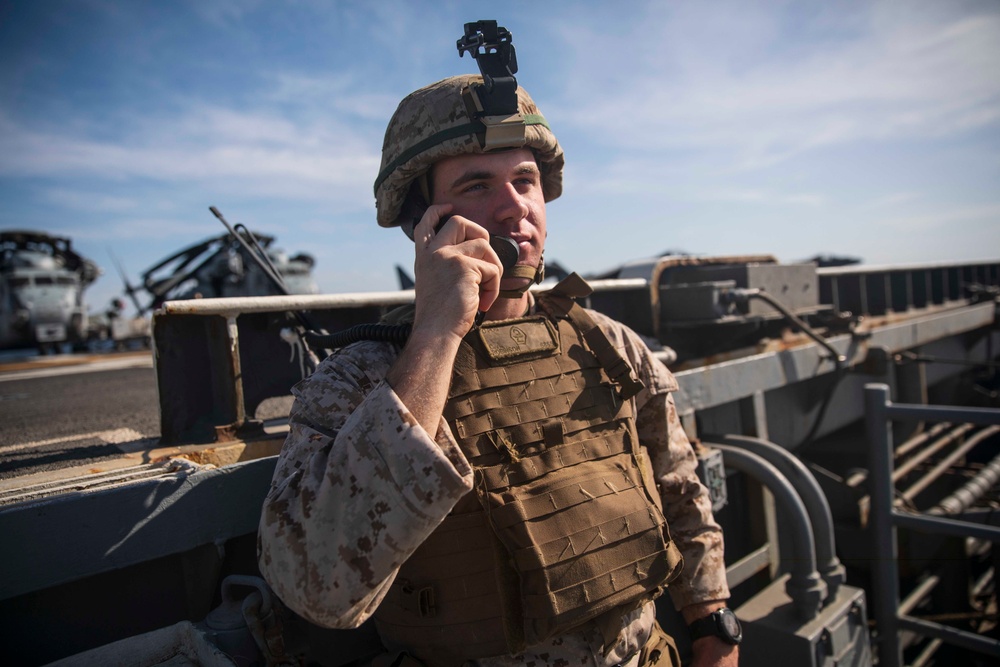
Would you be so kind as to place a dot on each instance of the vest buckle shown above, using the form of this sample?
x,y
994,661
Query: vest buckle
x,y
418,600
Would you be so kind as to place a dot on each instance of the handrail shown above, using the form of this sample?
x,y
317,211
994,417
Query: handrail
x,y
276,304
885,518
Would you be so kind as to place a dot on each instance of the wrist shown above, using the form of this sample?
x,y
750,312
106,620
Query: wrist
x,y
719,625
436,338
693,612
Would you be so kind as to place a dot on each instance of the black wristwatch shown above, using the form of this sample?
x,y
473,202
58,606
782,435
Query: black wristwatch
x,y
721,623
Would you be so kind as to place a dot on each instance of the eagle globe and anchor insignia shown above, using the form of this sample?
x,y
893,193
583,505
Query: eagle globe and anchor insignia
x,y
518,340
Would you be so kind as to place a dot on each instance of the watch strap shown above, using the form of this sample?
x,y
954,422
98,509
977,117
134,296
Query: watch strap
x,y
714,625
704,627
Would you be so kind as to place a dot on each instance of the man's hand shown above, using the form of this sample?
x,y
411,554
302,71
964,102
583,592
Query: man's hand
x,y
456,273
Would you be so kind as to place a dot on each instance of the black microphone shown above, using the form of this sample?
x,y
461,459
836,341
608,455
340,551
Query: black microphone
x,y
506,249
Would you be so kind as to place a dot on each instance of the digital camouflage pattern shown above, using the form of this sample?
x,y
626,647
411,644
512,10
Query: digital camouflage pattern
x,y
359,485
438,108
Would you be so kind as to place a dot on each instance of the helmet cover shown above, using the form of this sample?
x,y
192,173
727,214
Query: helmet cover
x,y
440,121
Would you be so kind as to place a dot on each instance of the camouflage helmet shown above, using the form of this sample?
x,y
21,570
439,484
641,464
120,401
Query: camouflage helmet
x,y
440,121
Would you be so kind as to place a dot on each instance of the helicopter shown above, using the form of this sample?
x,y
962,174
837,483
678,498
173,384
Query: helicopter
x,y
239,263
42,280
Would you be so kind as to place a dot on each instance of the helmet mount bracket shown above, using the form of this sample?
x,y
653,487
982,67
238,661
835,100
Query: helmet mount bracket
x,y
494,102
492,48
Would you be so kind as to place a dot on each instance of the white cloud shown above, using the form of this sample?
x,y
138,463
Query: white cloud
x,y
250,151
891,71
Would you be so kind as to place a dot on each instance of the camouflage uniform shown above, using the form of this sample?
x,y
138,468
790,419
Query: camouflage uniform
x,y
360,484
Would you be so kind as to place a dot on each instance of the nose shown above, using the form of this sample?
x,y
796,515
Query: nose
x,y
510,207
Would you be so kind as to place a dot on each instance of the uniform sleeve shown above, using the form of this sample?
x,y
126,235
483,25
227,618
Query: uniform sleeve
x,y
358,486
686,503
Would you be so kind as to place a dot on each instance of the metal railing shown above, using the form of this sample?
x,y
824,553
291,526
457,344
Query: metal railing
x,y
885,519
217,360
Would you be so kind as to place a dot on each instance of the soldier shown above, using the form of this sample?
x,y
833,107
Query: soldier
x,y
512,486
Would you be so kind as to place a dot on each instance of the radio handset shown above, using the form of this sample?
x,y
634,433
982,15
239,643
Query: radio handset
x,y
506,249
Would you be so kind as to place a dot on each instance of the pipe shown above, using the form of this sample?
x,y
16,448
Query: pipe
x,y
928,653
928,479
971,492
806,588
922,438
809,490
917,595
939,444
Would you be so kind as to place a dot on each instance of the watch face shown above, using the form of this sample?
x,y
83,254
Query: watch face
x,y
729,624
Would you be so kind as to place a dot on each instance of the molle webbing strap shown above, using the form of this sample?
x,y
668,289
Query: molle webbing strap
x,y
549,554
591,401
560,300
601,593
537,389
584,539
524,435
474,379
577,491
559,457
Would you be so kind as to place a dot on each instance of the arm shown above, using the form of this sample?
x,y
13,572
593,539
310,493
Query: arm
x,y
456,274
360,482
701,587
358,486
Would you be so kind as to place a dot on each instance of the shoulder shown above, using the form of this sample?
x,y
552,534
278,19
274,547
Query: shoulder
x,y
653,373
354,369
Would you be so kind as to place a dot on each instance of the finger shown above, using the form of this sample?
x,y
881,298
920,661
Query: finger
x,y
479,248
424,232
457,229
488,265
489,285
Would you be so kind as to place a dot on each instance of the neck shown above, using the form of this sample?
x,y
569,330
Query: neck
x,y
507,309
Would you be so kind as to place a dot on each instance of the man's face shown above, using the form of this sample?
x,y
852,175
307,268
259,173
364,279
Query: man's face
x,y
500,191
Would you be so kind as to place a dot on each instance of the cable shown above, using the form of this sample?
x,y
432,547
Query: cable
x,y
759,293
742,295
386,333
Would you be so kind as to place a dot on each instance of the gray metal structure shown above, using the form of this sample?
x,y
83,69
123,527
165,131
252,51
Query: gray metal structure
x,y
784,408
42,280
891,617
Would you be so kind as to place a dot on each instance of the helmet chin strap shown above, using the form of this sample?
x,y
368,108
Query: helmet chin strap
x,y
535,274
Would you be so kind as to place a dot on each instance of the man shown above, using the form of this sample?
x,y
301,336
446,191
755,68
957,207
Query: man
x,y
490,492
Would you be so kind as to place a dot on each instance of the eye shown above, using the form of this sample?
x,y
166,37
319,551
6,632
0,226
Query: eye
x,y
528,178
473,187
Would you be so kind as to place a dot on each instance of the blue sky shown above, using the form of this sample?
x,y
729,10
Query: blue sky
x,y
869,129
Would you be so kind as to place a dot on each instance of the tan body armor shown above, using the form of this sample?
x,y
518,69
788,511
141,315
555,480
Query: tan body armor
x,y
564,524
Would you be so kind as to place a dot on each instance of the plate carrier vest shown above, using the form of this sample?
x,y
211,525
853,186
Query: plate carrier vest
x,y
564,524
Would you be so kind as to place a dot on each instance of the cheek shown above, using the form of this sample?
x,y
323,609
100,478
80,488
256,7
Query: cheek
x,y
538,215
